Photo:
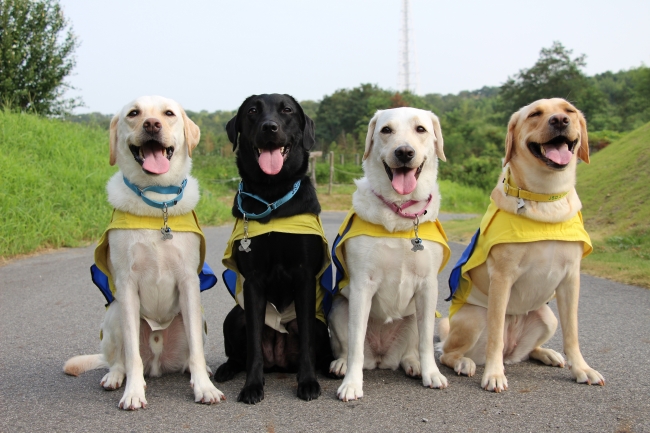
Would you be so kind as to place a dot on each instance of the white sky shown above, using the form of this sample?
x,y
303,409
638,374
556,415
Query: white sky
x,y
211,55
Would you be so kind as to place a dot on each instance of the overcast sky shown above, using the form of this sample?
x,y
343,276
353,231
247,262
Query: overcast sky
x,y
211,55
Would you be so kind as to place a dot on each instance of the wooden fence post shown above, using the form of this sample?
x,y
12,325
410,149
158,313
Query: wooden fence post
x,y
342,159
329,190
356,159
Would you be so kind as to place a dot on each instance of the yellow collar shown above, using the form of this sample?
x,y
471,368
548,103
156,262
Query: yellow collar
x,y
509,188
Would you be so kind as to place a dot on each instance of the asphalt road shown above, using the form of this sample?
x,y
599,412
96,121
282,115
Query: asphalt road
x,y
50,311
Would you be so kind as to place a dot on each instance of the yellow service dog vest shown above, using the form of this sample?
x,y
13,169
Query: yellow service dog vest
x,y
498,227
308,224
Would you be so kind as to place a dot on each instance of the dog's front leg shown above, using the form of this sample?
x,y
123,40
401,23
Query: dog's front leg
x,y
494,377
255,309
305,300
129,302
361,294
190,303
425,307
568,293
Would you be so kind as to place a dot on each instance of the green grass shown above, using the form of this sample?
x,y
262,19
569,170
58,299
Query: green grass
x,y
616,207
54,178
54,175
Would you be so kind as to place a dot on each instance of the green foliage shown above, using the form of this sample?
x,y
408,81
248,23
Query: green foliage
x,y
36,54
214,139
479,172
555,74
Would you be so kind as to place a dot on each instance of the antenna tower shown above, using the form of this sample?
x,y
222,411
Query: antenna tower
x,y
408,75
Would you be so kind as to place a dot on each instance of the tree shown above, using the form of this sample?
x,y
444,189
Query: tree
x,y
555,74
36,54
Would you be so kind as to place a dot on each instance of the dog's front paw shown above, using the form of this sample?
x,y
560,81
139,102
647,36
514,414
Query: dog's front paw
x,y
338,367
205,392
465,366
434,379
133,398
547,356
309,390
349,391
494,380
251,394
112,380
587,375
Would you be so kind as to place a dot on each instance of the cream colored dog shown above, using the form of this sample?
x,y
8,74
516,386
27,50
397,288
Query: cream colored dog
x,y
155,323
385,316
500,312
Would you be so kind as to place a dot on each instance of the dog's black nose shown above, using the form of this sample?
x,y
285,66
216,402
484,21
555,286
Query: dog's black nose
x,y
559,121
405,153
269,126
152,125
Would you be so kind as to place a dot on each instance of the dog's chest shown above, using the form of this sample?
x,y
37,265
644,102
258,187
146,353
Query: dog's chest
x,y
140,260
543,268
395,272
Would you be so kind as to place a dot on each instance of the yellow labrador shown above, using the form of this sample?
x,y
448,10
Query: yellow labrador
x,y
529,249
152,253
384,317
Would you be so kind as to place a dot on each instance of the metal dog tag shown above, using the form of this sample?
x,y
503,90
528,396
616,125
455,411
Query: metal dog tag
x,y
417,245
244,244
520,205
166,233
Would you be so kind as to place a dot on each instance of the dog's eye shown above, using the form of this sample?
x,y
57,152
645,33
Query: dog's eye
x,y
287,110
535,114
169,113
252,110
133,113
420,129
569,110
386,130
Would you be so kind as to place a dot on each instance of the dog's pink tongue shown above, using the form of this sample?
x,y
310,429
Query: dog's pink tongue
x,y
404,181
155,160
271,161
560,155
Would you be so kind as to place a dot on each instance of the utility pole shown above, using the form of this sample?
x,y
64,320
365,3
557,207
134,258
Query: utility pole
x,y
407,78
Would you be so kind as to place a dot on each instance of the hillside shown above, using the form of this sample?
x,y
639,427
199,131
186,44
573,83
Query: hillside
x,y
616,207
53,184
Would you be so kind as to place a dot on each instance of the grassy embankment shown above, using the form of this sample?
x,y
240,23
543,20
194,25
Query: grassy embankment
x,y
616,208
53,185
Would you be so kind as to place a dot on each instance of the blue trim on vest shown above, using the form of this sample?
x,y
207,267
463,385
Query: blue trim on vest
x,y
101,280
230,280
334,273
160,190
270,206
207,280
454,278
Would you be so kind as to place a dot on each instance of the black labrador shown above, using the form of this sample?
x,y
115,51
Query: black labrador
x,y
273,136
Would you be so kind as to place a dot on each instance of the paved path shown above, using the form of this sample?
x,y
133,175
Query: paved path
x,y
50,311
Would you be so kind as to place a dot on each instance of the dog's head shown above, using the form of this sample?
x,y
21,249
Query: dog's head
x,y
272,136
549,133
403,143
151,140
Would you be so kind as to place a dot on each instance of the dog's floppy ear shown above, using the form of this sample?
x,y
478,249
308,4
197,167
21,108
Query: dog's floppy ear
x,y
112,140
510,137
371,133
583,150
192,133
438,141
306,125
232,129
308,134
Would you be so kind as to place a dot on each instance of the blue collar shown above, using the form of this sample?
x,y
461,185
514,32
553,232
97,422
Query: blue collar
x,y
160,190
270,206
